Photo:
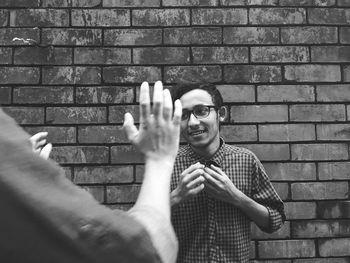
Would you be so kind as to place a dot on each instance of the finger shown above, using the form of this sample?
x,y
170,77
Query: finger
x,y
45,152
129,127
199,180
210,179
213,173
167,105
158,100
145,107
177,113
196,190
38,137
192,168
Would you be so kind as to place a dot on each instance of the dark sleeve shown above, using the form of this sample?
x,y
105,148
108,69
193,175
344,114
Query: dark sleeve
x,y
46,218
265,194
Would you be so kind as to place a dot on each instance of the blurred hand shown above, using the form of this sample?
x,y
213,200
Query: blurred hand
x,y
159,131
38,142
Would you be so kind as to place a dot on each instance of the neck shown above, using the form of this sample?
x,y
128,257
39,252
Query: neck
x,y
207,151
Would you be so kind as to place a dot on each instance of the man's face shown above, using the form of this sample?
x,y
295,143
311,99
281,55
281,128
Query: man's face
x,y
200,132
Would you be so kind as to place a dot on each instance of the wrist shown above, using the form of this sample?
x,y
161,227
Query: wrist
x,y
174,198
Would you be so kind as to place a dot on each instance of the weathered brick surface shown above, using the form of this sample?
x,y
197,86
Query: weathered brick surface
x,y
285,93
43,95
73,68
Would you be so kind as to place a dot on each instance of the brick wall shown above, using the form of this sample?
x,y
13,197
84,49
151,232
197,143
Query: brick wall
x,y
283,67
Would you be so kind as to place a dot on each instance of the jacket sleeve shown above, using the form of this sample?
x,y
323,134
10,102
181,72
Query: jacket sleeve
x,y
265,194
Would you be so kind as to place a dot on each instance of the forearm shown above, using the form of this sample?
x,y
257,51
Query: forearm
x,y
156,186
255,211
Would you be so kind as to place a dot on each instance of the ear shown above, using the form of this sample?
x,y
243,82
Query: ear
x,y
222,113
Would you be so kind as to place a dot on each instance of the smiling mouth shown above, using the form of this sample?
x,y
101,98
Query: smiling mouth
x,y
195,133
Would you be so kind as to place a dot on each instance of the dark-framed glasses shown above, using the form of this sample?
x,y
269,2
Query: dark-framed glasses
x,y
199,111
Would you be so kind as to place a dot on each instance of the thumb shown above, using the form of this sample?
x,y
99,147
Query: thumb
x,y
129,127
45,152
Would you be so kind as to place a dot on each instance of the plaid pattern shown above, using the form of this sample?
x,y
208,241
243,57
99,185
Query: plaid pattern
x,y
210,230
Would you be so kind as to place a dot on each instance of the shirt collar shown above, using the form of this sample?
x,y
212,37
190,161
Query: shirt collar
x,y
216,159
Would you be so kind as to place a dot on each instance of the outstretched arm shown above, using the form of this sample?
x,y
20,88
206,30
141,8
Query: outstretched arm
x,y
158,139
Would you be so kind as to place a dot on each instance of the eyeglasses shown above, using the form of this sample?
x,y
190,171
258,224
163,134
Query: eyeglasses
x,y
199,111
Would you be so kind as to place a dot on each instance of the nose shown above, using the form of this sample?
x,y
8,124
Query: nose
x,y
192,120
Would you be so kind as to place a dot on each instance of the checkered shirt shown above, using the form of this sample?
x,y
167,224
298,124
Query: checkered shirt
x,y
210,230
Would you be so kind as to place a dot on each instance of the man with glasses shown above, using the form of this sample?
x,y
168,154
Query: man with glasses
x,y
217,189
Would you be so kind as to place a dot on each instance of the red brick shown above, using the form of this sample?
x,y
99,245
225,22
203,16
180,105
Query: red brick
x,y
161,17
5,55
319,191
345,35
291,171
177,74
249,2
125,154
285,16
300,210
321,151
282,233
43,95
284,93
307,3
259,113
71,37
251,35
269,152
348,112
237,93
192,35
335,92
56,134
26,115
161,55
7,35
287,132
275,54
71,75
103,174
116,113
20,3
131,74
105,94
286,249
314,112
190,3
80,154
334,247
70,3
309,35
313,73
5,95
96,191
239,133
101,134
102,56
131,3
219,55
219,16
343,3
4,15
282,190
122,193
329,16
77,115
39,17
330,54
320,229
334,131
346,73
321,260
19,75
252,74
43,56
334,209
100,17
139,173
132,37
334,171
